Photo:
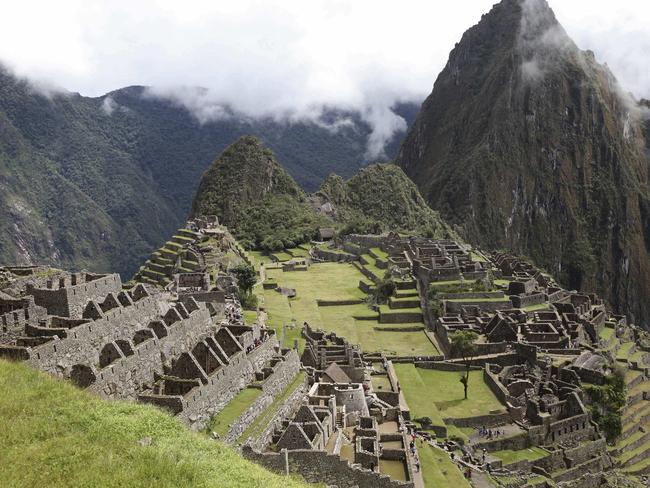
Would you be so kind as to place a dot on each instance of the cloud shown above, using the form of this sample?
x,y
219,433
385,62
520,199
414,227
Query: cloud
x,y
109,105
286,59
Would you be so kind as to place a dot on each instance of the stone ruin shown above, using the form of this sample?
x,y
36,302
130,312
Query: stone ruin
x,y
185,349
340,430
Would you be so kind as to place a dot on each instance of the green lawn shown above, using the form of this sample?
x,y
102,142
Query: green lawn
x,y
606,333
261,422
624,350
244,399
539,306
435,393
281,256
56,435
379,253
437,468
509,456
337,281
250,317
477,257
258,257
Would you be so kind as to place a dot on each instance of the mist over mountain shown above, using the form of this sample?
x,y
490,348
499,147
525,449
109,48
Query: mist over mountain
x,y
528,143
99,182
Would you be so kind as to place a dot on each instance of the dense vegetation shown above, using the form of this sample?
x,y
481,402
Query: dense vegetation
x,y
265,208
54,434
85,187
256,198
381,198
606,404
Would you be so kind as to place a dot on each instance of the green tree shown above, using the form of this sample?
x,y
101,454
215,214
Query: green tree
x,y
462,345
246,277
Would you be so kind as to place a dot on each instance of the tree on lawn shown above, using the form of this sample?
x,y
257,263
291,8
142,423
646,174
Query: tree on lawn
x,y
462,345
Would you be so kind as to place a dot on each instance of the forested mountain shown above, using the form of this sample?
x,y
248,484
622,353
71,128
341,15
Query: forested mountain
x,y
528,143
100,182
265,208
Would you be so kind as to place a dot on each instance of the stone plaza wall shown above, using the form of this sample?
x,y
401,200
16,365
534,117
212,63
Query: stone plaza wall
x,y
125,377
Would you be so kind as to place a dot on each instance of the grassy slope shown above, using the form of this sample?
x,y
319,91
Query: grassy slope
x,y
53,434
438,470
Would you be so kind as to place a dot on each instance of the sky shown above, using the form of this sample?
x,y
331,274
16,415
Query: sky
x,y
283,58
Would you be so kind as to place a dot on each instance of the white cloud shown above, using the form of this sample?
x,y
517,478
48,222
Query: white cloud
x,y
284,58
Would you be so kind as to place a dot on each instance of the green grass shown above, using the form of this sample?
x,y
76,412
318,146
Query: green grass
x,y
437,468
509,456
539,306
282,256
56,435
298,252
260,423
624,350
336,281
475,256
439,393
250,317
244,399
606,333
379,253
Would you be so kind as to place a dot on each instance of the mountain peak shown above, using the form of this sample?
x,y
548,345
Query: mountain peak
x,y
523,133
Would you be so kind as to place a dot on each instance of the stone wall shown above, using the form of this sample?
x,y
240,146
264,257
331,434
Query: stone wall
x,y
70,300
320,467
124,378
286,410
283,374
521,301
203,402
456,307
333,256
84,343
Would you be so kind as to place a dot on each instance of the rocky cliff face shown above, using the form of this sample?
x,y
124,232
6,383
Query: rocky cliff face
x,y
528,143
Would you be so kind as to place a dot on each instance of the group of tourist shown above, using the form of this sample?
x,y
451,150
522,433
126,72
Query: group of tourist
x,y
256,343
489,433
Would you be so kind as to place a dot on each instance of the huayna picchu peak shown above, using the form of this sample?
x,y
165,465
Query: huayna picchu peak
x,y
527,143
236,286
250,193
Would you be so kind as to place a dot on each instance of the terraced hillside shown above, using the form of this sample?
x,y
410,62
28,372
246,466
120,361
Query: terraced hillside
x,y
333,296
178,255
632,449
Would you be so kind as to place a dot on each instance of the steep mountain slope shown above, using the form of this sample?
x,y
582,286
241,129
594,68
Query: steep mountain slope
x,y
380,198
256,198
526,142
100,182
265,208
